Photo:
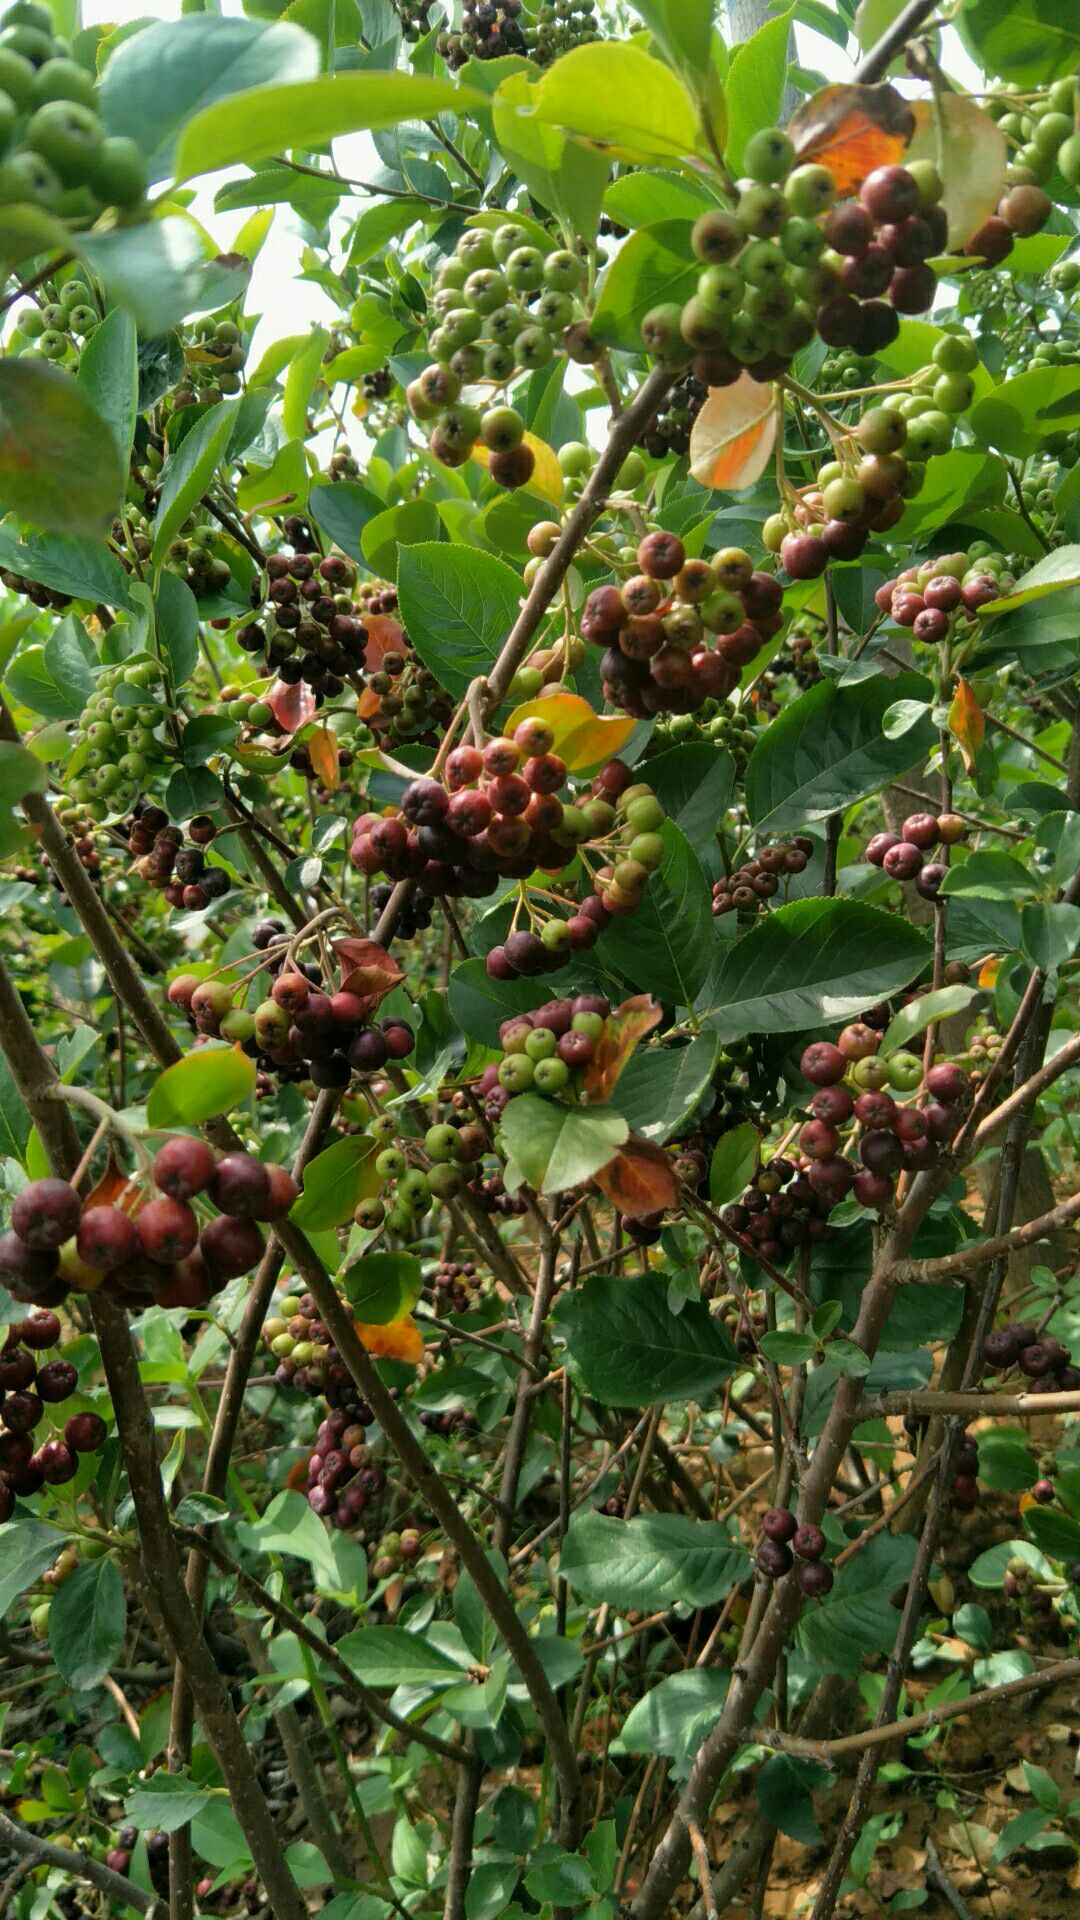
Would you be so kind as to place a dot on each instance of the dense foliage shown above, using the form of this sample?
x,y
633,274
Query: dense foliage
x,y
539,838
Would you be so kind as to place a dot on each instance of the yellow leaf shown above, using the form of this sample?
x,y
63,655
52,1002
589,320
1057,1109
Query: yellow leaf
x,y
582,738
966,723
988,972
734,434
322,745
614,97
546,477
851,130
399,1340
969,151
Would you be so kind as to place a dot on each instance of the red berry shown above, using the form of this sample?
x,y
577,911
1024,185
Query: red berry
x,y
57,1381
881,1152
46,1213
661,556
815,1579
809,1542
777,1523
920,829
284,1193
106,1238
822,1064
803,556
818,1140
231,1246
903,861
39,1331
240,1186
889,194
57,1463
85,1432
773,1559
183,1166
833,1104
167,1230
831,1178
948,1082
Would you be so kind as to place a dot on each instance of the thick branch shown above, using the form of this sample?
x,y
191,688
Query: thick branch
x,y
80,1866
981,1253
973,1406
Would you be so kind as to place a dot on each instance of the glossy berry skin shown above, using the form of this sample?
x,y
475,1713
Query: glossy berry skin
x,y
822,1064
903,861
779,1525
920,830
833,1104
167,1230
815,1579
878,846
1002,1348
240,1186
85,1432
57,1462
881,1152
230,1247
106,1238
773,1559
183,1166
284,1192
57,1381
948,1082
46,1213
808,1542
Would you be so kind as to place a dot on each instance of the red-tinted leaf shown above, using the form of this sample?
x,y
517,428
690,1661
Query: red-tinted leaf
x,y
322,745
622,1031
292,707
733,436
114,1189
384,635
399,1340
640,1179
852,130
366,968
966,723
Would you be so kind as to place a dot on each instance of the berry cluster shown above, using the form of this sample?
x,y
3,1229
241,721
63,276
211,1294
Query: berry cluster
x,y
215,357
939,596
749,887
502,306
673,422
1042,1360
657,626
498,27
194,555
299,1032
787,263
723,725
309,1362
784,1539
454,1286
395,1551
311,631
181,873
450,1152
892,1137
116,746
57,155
500,814
58,328
902,855
546,1050
30,1382
156,1253
342,1479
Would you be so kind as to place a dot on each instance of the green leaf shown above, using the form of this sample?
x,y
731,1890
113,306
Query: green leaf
x,y
565,1881
734,1163
642,198
659,1087
813,963
479,1004
848,1358
177,623
1041,636
87,1623
556,1146
653,1561
991,876
458,606
1055,1533
391,1657
755,85
826,750
311,113
1018,415
26,1549
666,946
1018,1832
166,1801
683,30
300,382
382,1287
1054,571
619,99
161,79
566,178
199,1087
694,784
342,511
858,1616
289,1526
655,265
1051,933
675,1715
1029,42
60,466
158,270
785,1795
189,471
14,1121
109,375
956,482
71,564
989,1568
788,1349
21,772
36,679
627,1348
334,1184
920,1013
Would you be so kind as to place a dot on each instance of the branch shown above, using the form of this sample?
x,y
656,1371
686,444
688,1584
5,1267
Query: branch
x,y
80,1866
881,56
917,1722
1063,1061
977,1254
1023,1406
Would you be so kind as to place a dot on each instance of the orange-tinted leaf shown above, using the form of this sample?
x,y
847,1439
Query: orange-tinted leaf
x,y
322,745
546,477
971,154
292,707
733,436
296,1478
966,723
582,738
640,1179
622,1031
852,130
989,971
399,1340
366,968
114,1189
384,635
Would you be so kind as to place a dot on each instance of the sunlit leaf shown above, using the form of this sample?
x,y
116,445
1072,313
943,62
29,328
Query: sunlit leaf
x,y
583,739
199,1087
292,704
400,1340
322,746
851,130
546,477
734,434
639,1180
614,97
971,154
60,466
621,1032
966,723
